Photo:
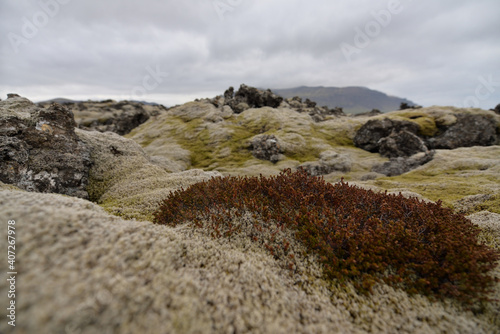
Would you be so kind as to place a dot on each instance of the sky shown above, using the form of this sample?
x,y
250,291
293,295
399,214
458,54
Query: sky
x,y
432,52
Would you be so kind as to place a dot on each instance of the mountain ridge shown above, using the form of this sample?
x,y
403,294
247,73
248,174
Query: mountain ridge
x,y
352,99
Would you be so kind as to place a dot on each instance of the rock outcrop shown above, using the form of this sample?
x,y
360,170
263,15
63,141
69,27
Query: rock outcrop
x,y
369,136
401,144
400,165
249,97
39,149
373,112
468,130
318,114
396,138
497,109
266,147
329,162
119,117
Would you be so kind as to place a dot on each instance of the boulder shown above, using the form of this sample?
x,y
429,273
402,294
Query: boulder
x,y
124,122
266,147
39,149
318,114
373,112
401,144
329,162
119,117
468,130
401,165
249,97
369,135
497,109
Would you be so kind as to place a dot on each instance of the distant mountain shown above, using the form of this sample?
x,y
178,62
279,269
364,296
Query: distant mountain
x,y
59,100
62,100
353,100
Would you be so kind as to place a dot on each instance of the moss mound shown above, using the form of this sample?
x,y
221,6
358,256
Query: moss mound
x,y
357,234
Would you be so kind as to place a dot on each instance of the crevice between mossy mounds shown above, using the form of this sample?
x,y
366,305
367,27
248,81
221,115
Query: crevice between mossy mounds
x,y
128,184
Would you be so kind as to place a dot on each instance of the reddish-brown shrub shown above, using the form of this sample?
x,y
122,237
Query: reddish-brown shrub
x,y
357,234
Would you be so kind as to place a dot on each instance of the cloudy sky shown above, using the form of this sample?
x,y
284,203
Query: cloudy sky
x,y
433,52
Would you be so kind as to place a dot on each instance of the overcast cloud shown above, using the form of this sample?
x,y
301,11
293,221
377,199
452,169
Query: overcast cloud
x,y
432,52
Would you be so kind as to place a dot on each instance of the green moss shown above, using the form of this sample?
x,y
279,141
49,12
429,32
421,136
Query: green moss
x,y
334,137
259,124
309,155
426,123
146,141
194,136
492,205
447,186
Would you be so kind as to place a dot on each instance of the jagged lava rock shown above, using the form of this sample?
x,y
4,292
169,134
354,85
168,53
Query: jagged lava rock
x,y
119,117
318,114
329,162
400,165
497,109
266,147
468,130
249,97
369,135
401,144
39,149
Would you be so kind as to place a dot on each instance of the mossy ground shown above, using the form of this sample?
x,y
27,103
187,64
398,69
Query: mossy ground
x,y
223,145
429,119
445,188
453,175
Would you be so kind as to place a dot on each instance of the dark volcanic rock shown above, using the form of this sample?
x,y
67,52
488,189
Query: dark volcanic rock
x,y
369,135
401,165
318,114
497,109
329,162
395,138
39,149
122,123
468,130
401,144
266,147
249,97
118,117
373,112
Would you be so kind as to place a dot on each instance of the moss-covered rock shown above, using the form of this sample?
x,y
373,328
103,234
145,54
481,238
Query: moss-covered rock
x,y
202,135
116,275
453,175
